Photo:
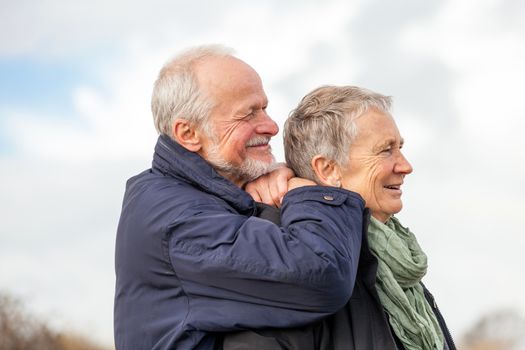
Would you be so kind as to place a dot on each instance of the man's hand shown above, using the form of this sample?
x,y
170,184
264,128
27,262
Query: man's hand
x,y
270,188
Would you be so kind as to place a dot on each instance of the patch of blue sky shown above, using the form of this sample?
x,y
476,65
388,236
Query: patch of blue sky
x,y
43,87
39,86
7,144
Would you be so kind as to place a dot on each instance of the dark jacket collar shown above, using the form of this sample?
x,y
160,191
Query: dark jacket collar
x,y
172,159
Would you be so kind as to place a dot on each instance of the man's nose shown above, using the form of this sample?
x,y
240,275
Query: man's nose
x,y
266,125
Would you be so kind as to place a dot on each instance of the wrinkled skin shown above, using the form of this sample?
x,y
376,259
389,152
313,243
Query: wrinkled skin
x,y
376,166
242,129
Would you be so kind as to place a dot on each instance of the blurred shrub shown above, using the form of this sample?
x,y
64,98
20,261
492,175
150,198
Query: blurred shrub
x,y
500,330
21,331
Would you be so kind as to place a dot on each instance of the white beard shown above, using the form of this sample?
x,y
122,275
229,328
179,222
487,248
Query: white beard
x,y
249,170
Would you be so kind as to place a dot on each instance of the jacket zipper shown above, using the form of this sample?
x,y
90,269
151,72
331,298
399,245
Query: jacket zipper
x,y
441,320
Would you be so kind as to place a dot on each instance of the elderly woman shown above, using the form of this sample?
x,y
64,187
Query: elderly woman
x,y
346,137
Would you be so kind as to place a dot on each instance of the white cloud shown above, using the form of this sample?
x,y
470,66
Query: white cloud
x,y
57,234
487,58
103,126
470,204
55,28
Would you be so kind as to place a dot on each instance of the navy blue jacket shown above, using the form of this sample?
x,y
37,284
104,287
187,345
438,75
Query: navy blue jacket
x,y
361,325
192,259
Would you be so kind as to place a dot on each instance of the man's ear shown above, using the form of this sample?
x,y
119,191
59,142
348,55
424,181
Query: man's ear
x,y
327,171
187,135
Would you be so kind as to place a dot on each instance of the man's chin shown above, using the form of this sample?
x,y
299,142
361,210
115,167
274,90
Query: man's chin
x,y
251,168
248,170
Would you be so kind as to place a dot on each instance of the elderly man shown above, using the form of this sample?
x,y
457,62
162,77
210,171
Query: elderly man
x,y
192,256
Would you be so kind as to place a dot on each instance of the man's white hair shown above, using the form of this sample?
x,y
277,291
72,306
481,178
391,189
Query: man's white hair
x,y
177,94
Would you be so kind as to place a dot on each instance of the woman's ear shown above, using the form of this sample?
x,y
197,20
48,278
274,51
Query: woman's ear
x,y
187,135
327,171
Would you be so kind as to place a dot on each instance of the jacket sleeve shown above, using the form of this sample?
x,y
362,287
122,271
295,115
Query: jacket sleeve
x,y
245,272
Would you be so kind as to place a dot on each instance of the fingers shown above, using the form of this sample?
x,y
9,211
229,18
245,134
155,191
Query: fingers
x,y
270,188
273,188
252,191
259,190
264,190
279,187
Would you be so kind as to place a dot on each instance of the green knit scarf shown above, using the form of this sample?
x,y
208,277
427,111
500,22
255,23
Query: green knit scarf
x,y
401,266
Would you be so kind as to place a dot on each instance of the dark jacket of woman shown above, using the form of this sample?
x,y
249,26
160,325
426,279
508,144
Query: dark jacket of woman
x,y
362,324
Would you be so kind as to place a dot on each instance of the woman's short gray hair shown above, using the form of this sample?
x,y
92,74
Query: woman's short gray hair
x,y
324,124
177,95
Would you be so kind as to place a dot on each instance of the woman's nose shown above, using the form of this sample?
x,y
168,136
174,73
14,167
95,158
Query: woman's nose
x,y
403,165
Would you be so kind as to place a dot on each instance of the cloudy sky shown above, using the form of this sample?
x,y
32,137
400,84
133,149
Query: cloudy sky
x,y
75,83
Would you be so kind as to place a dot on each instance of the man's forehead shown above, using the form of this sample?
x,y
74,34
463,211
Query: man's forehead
x,y
220,67
227,76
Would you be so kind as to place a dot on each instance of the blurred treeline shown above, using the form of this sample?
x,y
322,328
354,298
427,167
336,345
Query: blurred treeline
x,y
501,330
19,330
